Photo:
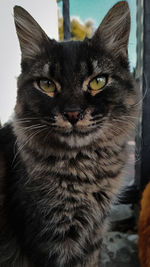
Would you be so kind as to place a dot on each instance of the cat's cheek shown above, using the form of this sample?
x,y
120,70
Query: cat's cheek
x,y
85,122
129,102
60,122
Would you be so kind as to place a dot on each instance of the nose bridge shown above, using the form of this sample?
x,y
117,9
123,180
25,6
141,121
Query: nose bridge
x,y
72,94
73,109
72,106
73,101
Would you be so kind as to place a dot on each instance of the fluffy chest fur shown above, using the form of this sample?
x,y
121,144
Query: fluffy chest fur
x,y
68,196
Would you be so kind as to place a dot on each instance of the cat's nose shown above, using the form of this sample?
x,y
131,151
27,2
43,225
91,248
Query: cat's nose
x,y
73,115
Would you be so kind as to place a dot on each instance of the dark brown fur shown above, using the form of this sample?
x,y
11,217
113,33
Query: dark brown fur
x,y
58,180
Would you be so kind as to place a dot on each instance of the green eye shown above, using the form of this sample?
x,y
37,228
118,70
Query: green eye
x,y
47,86
97,83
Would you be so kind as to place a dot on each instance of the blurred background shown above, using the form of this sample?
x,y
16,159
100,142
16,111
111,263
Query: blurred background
x,y
45,12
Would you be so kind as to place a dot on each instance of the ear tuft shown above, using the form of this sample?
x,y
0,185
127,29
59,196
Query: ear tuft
x,y
29,33
114,30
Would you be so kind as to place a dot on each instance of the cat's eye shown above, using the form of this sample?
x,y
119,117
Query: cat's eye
x,y
47,86
97,84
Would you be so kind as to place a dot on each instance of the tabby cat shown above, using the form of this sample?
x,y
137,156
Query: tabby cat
x,y
62,156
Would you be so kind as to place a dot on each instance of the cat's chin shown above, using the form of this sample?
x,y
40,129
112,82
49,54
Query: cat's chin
x,y
78,139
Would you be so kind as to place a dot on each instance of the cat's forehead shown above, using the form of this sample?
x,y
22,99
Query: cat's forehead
x,y
70,52
73,56
72,46
80,50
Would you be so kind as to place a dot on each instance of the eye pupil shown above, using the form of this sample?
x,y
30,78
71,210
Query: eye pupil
x,y
97,83
49,83
47,86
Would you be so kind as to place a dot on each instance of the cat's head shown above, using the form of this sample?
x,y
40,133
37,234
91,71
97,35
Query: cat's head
x,y
75,91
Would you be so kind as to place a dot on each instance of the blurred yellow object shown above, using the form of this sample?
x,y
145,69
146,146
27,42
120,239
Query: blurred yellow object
x,y
78,30
144,228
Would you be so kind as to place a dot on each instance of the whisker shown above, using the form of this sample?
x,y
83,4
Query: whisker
x,y
124,121
131,124
49,132
27,118
22,146
130,117
97,117
33,127
143,97
111,128
96,123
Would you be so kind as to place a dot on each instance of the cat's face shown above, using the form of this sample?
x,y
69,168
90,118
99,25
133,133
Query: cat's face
x,y
75,91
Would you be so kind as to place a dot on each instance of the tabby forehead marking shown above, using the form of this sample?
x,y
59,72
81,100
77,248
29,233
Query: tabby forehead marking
x,y
46,74
46,70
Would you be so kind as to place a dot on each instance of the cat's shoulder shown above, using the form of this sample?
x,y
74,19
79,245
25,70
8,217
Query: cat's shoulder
x,y
7,137
6,134
7,142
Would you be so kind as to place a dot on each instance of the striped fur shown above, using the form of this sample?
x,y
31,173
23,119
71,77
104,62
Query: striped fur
x,y
59,180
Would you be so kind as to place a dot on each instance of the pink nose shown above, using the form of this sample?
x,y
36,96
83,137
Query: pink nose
x,y
73,116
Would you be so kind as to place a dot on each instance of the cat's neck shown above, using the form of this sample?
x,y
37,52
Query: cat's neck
x,y
70,161
42,159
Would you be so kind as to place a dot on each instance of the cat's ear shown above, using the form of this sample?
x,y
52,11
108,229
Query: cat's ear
x,y
114,30
30,34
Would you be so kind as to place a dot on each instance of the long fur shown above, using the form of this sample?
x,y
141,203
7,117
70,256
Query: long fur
x,y
58,178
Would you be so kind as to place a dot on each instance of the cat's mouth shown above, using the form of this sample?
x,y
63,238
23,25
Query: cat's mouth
x,y
78,136
86,126
82,127
78,130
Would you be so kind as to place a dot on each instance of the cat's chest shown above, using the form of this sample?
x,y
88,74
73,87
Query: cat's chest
x,y
79,173
70,168
68,193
